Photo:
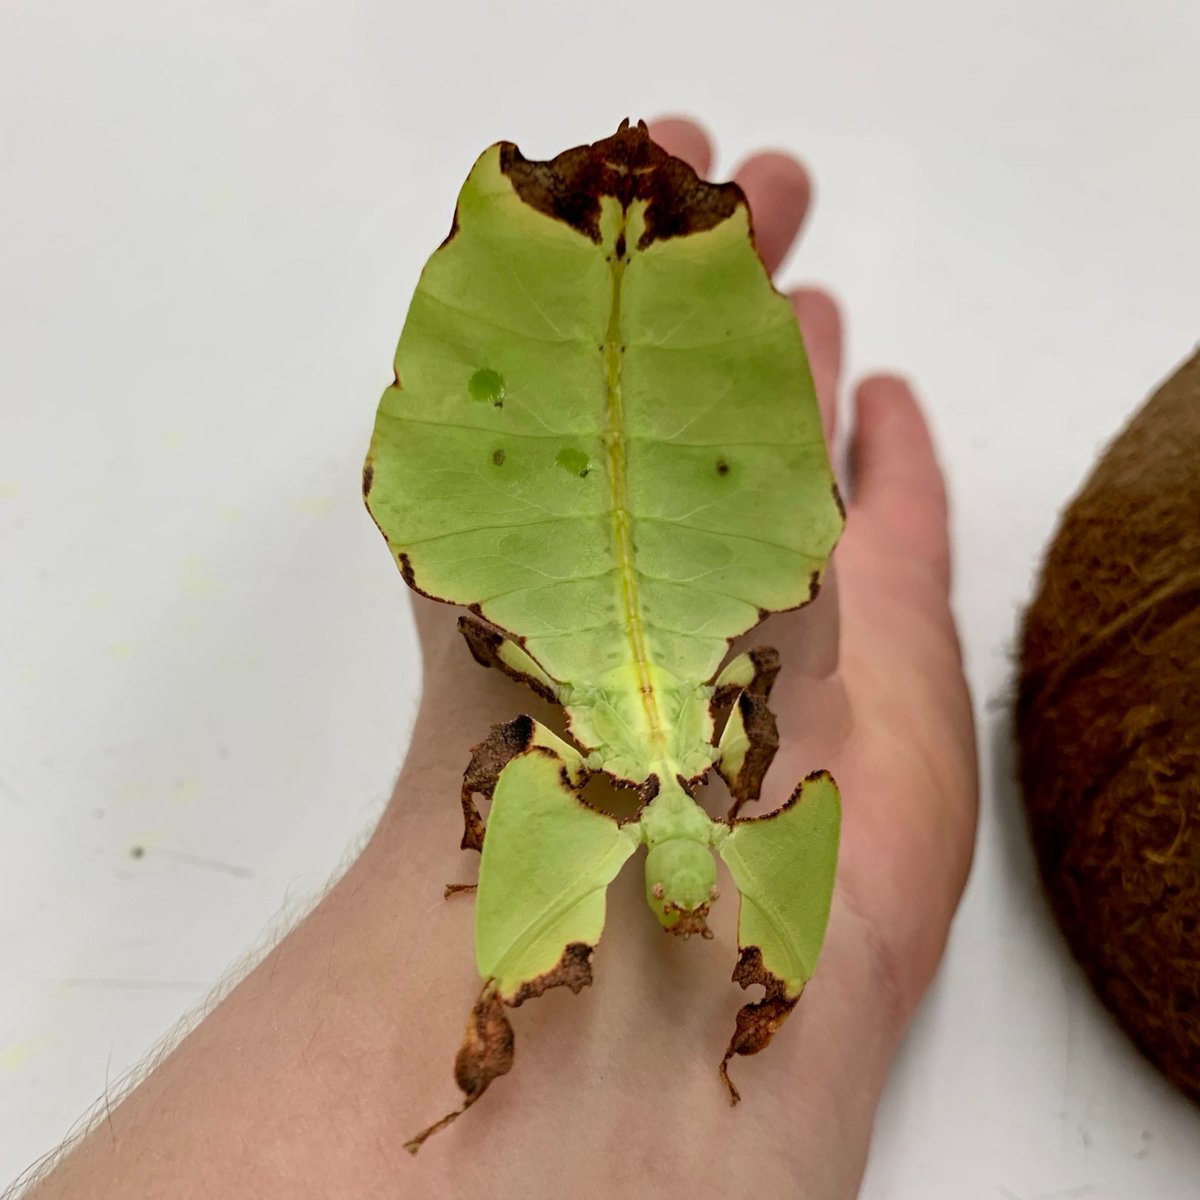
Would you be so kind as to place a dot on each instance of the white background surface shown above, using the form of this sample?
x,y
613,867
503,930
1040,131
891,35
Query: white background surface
x,y
211,219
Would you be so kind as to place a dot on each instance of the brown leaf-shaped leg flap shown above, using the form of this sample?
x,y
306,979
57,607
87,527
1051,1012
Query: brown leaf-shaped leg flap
x,y
750,736
485,1054
744,771
758,1022
755,671
574,970
487,1046
491,648
495,752
488,759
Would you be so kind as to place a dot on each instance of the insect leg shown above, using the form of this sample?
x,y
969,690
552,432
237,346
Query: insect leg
x,y
494,753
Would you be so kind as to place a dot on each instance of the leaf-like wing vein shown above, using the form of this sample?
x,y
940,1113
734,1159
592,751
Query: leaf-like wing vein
x,y
491,431
722,533
714,344
474,315
720,444
508,527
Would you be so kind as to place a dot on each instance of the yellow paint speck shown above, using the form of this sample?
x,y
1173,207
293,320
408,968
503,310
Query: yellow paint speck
x,y
185,790
197,580
316,506
16,1054
150,839
240,662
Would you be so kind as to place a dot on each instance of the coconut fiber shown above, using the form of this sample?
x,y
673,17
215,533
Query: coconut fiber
x,y
1108,720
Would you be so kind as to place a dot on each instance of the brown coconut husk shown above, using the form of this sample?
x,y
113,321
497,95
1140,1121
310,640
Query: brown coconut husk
x,y
1108,720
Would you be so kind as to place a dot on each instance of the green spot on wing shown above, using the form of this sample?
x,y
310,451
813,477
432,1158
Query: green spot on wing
x,y
574,461
487,385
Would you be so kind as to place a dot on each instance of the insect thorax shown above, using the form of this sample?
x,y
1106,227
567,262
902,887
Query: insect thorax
x,y
643,721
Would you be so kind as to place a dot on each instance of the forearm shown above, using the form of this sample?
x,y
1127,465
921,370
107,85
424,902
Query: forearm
x,y
310,1076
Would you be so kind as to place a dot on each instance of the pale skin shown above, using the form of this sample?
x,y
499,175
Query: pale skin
x,y
309,1077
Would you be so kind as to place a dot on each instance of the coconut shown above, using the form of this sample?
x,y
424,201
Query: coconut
x,y
1108,721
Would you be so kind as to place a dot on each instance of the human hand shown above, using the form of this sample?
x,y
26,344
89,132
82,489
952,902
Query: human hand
x,y
308,1078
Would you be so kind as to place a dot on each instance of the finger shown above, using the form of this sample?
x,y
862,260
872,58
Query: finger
x,y
821,327
684,139
896,480
778,191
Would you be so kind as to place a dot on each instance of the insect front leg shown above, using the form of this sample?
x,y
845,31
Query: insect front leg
x,y
490,648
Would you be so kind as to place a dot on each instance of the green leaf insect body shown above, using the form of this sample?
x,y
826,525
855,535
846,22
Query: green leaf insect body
x,y
603,441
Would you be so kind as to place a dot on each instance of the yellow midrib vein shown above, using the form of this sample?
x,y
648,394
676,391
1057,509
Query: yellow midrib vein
x,y
615,449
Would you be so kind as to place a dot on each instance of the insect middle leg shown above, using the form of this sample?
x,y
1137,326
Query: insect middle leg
x,y
502,744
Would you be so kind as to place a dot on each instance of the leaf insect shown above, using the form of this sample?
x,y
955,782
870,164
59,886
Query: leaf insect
x,y
603,441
